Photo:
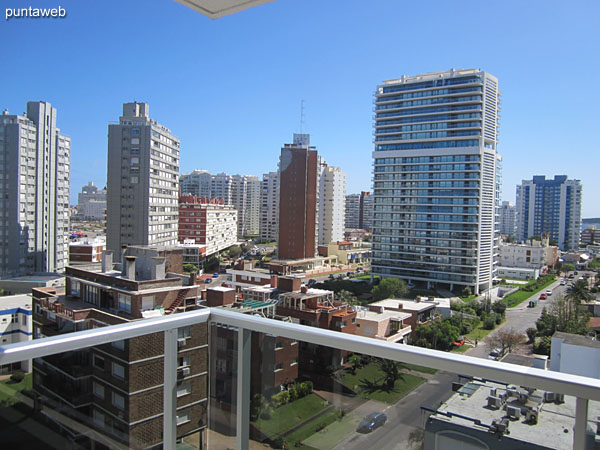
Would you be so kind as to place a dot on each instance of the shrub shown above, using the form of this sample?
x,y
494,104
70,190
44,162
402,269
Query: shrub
x,y
490,322
280,399
17,377
531,334
277,443
266,413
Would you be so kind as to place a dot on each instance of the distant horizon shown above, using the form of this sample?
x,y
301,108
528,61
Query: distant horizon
x,y
231,89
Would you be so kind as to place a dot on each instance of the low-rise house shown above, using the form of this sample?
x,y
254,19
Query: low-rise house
x,y
375,322
349,253
422,310
15,326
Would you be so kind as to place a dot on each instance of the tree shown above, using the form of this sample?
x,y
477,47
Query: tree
x,y
234,251
245,248
440,335
389,288
191,268
505,339
211,263
346,297
391,369
568,268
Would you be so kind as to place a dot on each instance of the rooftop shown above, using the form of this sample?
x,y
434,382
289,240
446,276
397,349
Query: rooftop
x,y
555,424
15,301
576,339
407,304
365,314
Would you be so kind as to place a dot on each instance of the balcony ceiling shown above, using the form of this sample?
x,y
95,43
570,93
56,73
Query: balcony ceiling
x,y
219,8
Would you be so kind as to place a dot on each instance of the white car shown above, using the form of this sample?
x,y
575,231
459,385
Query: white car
x,y
563,282
548,292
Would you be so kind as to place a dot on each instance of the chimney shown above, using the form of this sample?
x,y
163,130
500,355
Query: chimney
x,y
157,268
418,299
193,279
304,289
123,265
107,261
274,281
400,305
540,362
130,267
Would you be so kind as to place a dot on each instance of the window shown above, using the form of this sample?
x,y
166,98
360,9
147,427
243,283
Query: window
x,y
183,361
124,302
98,362
24,320
118,401
119,344
75,288
98,390
184,389
278,345
14,318
183,418
293,362
278,366
118,371
147,302
98,418
183,333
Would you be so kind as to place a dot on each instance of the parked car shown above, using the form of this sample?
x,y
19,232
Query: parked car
x,y
543,296
371,422
563,282
331,276
496,354
216,275
311,282
208,280
548,292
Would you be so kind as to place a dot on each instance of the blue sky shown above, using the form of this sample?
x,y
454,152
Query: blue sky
x,y
231,88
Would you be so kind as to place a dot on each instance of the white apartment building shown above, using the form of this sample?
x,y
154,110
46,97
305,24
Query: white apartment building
x,y
269,207
331,199
91,203
508,219
246,200
436,179
34,192
16,325
531,255
359,211
143,181
198,183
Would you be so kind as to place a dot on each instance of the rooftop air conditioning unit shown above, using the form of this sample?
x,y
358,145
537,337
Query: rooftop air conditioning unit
x,y
180,342
493,392
549,397
531,416
185,371
494,402
559,398
513,412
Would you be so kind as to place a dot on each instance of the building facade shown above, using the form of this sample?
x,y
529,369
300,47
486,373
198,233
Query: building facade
x,y
118,387
297,199
91,203
550,207
359,211
437,179
246,200
590,236
331,183
143,181
197,183
508,219
87,250
208,222
15,326
35,167
269,207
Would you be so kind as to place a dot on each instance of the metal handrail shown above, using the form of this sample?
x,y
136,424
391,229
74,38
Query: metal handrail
x,y
578,386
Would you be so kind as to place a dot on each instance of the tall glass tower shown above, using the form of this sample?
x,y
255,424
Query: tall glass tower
x,y
437,179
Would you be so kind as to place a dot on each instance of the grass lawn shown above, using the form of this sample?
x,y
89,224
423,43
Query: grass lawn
x,y
290,415
421,369
405,384
520,296
8,388
480,333
461,348
469,298
320,424
333,433
370,372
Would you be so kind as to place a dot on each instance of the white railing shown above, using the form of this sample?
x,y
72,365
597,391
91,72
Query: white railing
x,y
583,388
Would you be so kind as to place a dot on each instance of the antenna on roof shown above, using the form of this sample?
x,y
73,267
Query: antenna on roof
x,y
301,115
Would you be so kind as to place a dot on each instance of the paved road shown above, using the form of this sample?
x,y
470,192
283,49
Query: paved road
x,y
520,318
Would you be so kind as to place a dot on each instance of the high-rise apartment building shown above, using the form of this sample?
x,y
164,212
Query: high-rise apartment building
x,y
34,193
197,183
437,179
359,211
331,195
508,219
297,199
245,197
550,207
143,181
269,206
91,203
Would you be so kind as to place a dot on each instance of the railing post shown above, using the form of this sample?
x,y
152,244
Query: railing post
x,y
170,390
243,389
581,416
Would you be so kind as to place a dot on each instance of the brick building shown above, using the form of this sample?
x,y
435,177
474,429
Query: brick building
x,y
116,389
207,221
87,251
